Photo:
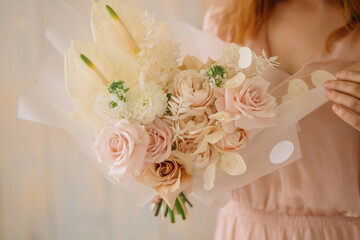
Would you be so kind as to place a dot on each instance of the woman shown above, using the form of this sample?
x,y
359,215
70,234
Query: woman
x,y
318,196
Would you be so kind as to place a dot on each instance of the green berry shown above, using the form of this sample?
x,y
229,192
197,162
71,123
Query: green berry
x,y
113,104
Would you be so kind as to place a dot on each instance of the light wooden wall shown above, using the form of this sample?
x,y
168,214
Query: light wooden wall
x,y
48,190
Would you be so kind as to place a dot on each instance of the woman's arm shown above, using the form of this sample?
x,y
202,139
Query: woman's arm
x,y
345,92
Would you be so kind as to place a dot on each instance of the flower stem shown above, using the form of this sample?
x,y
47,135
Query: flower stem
x,y
158,207
186,200
180,209
166,211
171,213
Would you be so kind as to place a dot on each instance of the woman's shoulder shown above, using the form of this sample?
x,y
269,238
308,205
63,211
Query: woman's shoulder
x,y
348,46
218,20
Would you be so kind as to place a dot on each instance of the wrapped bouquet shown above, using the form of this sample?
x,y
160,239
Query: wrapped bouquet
x,y
169,122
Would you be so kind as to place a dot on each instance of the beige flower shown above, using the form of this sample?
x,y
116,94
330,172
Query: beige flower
x,y
202,159
192,127
233,142
192,89
170,177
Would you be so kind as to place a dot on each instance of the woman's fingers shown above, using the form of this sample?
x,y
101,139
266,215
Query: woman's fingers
x,y
349,75
345,92
346,100
347,115
351,88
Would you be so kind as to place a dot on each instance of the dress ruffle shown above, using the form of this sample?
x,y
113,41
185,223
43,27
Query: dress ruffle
x,y
237,221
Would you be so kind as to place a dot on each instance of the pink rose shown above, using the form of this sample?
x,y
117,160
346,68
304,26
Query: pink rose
x,y
233,142
169,177
121,146
250,105
160,136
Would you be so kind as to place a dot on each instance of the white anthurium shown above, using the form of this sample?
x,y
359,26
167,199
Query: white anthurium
x,y
236,81
209,176
245,57
89,68
117,24
121,26
232,163
318,77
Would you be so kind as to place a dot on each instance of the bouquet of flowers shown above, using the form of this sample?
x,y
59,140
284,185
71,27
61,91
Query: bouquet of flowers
x,y
168,122
159,121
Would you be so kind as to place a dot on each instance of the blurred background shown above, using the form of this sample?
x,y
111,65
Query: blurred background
x,y
48,189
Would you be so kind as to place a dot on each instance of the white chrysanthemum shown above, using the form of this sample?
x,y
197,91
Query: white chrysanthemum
x,y
147,102
159,54
103,109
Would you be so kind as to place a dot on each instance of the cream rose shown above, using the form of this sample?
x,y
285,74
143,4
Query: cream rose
x,y
201,160
192,127
193,89
159,147
233,142
250,105
169,177
121,146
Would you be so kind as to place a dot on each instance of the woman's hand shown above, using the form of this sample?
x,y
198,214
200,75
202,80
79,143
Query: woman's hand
x,y
345,92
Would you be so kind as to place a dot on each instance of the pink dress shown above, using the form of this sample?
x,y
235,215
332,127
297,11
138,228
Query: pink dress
x,y
317,197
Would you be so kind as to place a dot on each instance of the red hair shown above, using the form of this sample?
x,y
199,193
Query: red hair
x,y
250,15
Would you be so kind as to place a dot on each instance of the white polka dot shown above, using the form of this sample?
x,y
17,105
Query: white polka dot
x,y
281,152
